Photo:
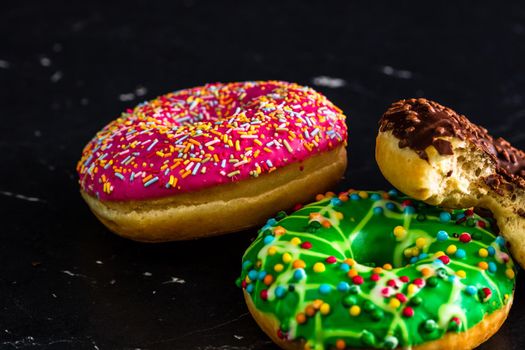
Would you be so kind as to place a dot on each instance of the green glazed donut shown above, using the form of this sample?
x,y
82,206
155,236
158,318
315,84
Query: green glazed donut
x,y
377,270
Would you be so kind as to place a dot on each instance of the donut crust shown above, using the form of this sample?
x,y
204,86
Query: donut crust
x,y
221,209
467,177
467,340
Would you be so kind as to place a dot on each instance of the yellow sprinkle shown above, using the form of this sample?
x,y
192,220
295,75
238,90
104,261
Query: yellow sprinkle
x,y
287,258
439,253
319,267
377,270
483,265
411,289
408,252
387,266
324,309
451,249
355,310
421,242
237,145
415,251
295,241
363,194
483,252
278,267
510,273
272,250
400,232
461,274
339,215
394,303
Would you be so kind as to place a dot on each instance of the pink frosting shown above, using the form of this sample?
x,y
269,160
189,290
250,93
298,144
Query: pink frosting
x,y
207,136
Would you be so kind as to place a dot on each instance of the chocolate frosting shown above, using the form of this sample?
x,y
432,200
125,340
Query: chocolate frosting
x,y
419,123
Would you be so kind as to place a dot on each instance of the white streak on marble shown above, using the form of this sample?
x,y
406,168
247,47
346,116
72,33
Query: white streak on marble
x,y
174,280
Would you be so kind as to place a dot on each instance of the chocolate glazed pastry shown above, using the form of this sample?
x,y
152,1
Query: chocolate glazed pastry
x,y
434,154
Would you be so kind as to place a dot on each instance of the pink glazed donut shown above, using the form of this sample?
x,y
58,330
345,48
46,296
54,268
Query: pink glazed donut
x,y
212,159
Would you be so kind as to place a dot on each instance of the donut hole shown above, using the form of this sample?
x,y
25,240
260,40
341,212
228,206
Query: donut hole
x,y
376,249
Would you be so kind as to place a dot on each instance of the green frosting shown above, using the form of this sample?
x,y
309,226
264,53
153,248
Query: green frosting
x,y
376,269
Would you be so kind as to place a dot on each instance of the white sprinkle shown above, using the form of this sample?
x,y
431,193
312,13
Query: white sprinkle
x,y
4,64
126,97
174,280
147,274
56,76
141,91
397,73
212,142
45,61
98,262
330,82
152,145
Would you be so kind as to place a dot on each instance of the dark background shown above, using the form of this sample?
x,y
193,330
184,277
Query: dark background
x,y
68,69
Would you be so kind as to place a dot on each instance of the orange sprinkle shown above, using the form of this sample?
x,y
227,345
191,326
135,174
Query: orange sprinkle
x,y
298,264
300,318
279,231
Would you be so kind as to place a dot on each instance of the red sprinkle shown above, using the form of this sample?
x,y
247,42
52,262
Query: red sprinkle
x,y
374,277
297,207
469,212
408,311
465,237
244,284
404,279
445,259
456,320
407,202
385,291
419,282
280,334
481,224
401,297
391,283
357,280
306,245
264,294
331,260
487,292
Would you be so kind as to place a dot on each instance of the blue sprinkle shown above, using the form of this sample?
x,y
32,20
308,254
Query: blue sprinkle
x,y
491,250
460,253
438,262
460,216
336,201
253,275
445,216
452,278
378,211
151,181
409,210
271,222
471,290
299,274
325,288
492,267
423,256
246,264
413,260
249,288
442,235
500,241
261,275
390,206
268,239
345,267
343,287
375,196
354,197
280,291
392,193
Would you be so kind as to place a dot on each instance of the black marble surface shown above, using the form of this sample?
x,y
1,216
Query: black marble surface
x,y
67,69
